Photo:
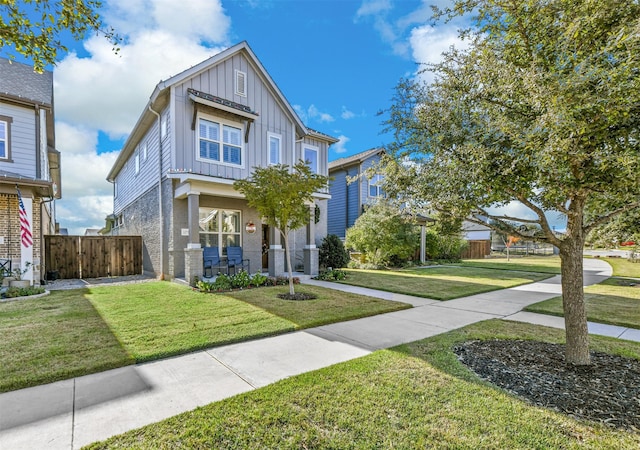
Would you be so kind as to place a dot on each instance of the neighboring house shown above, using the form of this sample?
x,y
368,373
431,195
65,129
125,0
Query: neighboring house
x,y
28,162
201,130
92,232
478,238
350,190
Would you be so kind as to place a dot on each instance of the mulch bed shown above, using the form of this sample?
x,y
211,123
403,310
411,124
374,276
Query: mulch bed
x,y
298,296
607,391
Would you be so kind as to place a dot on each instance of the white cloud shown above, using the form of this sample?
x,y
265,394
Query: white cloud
x,y
373,7
340,146
346,114
429,43
312,113
106,92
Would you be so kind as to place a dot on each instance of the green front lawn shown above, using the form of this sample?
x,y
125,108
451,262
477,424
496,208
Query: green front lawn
x,y
414,396
53,338
540,264
622,267
614,302
330,306
441,283
73,333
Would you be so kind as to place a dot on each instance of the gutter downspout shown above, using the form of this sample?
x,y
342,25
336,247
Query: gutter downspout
x,y
160,193
43,261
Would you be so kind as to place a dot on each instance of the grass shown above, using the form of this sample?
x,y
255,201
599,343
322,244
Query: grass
x,y
613,302
329,307
540,264
441,283
622,267
414,396
82,331
53,338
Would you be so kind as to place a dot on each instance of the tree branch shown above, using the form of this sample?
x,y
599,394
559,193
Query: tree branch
x,y
602,219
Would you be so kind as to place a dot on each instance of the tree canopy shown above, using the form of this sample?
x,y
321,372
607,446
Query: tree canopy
x,y
282,196
541,108
34,28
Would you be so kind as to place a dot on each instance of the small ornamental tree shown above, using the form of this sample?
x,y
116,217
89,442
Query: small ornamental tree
x,y
282,195
33,28
332,252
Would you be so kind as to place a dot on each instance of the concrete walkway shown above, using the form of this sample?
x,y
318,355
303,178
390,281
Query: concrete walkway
x,y
75,412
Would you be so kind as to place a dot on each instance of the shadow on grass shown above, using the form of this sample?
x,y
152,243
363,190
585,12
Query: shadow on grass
x,y
53,338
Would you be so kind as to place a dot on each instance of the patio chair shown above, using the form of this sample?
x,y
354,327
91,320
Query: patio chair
x,y
235,260
5,267
211,260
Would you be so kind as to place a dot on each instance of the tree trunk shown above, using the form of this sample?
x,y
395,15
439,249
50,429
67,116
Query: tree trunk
x,y
575,315
285,236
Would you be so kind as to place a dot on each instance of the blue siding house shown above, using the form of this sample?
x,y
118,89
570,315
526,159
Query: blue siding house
x,y
347,199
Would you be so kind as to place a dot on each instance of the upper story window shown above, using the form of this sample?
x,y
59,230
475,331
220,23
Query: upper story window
x,y
219,142
144,151
375,186
241,83
274,142
137,159
164,125
311,157
5,137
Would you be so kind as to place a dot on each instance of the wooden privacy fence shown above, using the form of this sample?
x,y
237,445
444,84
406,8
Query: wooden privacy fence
x,y
92,256
476,250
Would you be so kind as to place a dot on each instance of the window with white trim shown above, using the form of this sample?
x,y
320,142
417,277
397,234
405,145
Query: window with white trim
x,y
5,137
241,83
163,126
144,151
220,228
311,157
274,144
375,186
219,142
137,162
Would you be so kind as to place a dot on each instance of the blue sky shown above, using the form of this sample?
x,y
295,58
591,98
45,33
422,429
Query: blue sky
x,y
336,61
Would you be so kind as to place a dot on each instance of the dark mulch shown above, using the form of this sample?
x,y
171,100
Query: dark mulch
x,y
607,391
298,296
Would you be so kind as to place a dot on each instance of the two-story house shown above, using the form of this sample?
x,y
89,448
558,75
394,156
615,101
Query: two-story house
x,y
350,190
29,165
200,131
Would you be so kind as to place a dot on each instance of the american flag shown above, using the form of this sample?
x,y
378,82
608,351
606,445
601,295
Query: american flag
x,y
25,227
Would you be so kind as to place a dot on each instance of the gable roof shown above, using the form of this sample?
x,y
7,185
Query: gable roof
x,y
19,82
358,158
159,94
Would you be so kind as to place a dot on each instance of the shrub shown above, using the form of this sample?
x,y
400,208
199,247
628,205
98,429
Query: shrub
x,y
205,286
222,282
14,292
258,279
240,280
384,235
332,252
332,275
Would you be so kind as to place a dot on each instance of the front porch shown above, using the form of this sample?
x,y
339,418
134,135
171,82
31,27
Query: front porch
x,y
218,216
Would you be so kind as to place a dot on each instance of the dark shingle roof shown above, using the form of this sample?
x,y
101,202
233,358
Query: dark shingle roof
x,y
19,80
357,158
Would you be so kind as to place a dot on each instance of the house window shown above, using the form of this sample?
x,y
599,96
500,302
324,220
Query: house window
x,y
220,228
311,158
5,137
144,152
216,136
274,144
137,161
163,126
375,186
115,189
241,83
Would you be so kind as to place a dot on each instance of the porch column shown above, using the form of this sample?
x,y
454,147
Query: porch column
x,y
276,254
193,266
310,251
423,240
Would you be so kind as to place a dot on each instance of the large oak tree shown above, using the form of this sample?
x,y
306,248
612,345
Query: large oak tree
x,y
541,108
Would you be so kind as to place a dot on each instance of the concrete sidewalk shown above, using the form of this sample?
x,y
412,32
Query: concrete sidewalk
x,y
72,413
